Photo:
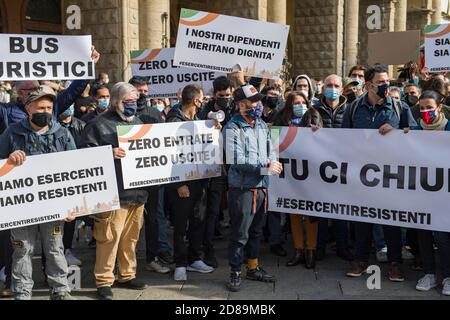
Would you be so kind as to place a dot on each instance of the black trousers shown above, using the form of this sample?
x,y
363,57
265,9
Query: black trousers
x,y
151,224
69,230
214,192
188,218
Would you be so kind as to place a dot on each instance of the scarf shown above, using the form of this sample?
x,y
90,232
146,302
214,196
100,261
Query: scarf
x,y
440,124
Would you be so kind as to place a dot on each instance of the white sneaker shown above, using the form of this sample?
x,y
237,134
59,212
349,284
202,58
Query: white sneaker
x,y
156,266
180,274
71,259
382,255
2,275
446,287
406,254
427,283
200,266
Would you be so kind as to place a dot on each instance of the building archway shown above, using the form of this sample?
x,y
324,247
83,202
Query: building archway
x,y
42,16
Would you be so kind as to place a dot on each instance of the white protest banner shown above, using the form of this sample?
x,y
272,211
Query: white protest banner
x,y
218,42
169,152
437,47
45,57
166,79
359,175
53,186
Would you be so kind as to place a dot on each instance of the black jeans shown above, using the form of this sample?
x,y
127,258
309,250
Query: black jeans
x,y
392,236
184,211
340,230
6,251
151,224
427,251
246,226
215,190
69,230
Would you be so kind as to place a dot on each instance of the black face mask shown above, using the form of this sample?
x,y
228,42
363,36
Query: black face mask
x,y
351,97
272,102
223,103
41,119
447,101
411,100
141,102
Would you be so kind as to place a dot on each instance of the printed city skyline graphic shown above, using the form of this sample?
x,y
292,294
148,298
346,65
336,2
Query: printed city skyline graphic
x,y
84,209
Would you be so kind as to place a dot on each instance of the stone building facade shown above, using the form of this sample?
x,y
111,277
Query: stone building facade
x,y
326,36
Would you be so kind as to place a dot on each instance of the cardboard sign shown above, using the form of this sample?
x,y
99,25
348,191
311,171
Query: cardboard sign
x,y
394,48
43,57
166,79
437,48
79,182
169,152
218,42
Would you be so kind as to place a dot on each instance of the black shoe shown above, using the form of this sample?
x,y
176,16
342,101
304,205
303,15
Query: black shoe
x,y
278,250
298,258
166,257
310,257
211,260
320,254
235,282
345,254
259,274
133,284
105,293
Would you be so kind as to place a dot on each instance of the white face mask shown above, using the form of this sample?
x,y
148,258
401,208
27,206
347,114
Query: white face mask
x,y
305,93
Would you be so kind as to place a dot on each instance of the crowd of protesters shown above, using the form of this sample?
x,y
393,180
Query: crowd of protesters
x,y
55,116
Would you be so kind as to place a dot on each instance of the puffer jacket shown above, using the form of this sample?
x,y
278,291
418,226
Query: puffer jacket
x,y
332,118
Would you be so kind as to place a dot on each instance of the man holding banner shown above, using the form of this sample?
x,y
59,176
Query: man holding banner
x,y
247,143
39,133
376,110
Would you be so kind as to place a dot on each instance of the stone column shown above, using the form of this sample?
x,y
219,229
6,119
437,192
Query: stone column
x,y
436,17
351,34
401,13
276,11
154,23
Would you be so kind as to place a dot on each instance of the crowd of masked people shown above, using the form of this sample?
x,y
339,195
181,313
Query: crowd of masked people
x,y
59,116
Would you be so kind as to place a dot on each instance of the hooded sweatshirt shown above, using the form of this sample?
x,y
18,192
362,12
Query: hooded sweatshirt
x,y
311,89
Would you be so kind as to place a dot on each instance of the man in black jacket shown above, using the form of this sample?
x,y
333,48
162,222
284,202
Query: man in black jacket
x,y
222,101
186,197
117,232
331,108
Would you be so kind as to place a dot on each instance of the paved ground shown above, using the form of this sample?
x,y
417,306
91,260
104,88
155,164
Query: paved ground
x,y
327,281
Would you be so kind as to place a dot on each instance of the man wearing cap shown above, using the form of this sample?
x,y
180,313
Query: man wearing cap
x,y
350,90
331,108
247,142
39,133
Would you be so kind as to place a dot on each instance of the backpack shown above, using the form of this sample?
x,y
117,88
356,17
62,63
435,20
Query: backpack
x,y
357,103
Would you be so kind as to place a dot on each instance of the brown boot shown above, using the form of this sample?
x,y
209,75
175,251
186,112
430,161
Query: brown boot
x,y
358,269
298,258
310,257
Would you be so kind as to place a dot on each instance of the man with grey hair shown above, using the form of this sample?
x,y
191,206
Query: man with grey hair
x,y
331,108
117,232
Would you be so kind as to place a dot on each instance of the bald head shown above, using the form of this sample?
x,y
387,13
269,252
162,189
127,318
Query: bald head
x,y
333,79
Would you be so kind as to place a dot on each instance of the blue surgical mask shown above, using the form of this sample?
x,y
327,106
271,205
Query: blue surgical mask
x,y
299,110
173,103
159,106
70,111
360,83
332,94
129,108
103,104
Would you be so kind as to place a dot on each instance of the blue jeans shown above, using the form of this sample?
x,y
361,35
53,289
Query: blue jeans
x,y
378,236
246,226
163,242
